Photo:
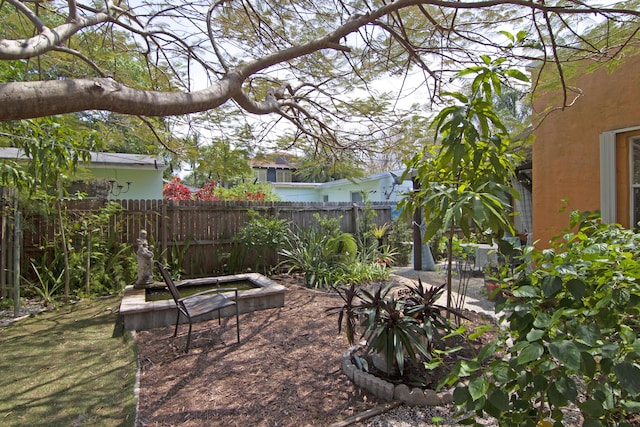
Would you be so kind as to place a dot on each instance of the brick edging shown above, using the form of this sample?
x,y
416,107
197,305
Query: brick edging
x,y
414,396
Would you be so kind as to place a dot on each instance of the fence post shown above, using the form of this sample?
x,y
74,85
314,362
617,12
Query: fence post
x,y
355,216
164,225
16,262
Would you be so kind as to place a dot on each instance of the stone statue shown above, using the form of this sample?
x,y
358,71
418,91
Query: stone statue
x,y
145,261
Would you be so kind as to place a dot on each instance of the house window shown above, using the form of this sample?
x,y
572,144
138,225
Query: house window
x,y
325,198
261,174
356,197
635,182
283,175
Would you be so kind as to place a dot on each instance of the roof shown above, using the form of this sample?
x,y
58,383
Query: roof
x,y
125,160
393,174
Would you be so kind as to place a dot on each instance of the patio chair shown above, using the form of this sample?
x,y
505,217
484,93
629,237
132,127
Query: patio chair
x,y
199,304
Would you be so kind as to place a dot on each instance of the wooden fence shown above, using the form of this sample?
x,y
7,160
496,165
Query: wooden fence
x,y
197,234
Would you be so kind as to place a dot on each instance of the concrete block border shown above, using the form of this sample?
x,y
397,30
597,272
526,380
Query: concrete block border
x,y
413,396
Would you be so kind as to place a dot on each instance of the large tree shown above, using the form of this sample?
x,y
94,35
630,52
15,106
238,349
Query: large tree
x,y
294,60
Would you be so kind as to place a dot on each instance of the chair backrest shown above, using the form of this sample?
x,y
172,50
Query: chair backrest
x,y
167,279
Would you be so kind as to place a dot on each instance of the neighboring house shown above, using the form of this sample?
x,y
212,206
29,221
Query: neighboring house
x,y
113,175
589,153
381,187
280,170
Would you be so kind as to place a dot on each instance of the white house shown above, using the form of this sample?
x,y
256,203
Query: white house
x,y
380,187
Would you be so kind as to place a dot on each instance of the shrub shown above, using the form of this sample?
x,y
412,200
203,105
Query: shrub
x,y
409,326
571,335
261,237
328,257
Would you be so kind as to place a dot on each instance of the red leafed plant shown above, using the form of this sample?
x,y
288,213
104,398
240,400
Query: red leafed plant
x,y
207,192
175,190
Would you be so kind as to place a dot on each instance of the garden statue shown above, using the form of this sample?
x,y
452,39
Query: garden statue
x,y
145,261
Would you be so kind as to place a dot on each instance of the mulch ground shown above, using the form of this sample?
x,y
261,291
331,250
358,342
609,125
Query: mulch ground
x,y
284,372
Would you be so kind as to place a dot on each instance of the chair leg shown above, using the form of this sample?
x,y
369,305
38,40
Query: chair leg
x,y
175,331
186,350
237,322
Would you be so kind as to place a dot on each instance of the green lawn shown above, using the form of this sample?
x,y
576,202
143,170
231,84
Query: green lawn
x,y
64,368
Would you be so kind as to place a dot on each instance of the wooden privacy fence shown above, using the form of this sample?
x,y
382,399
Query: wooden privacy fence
x,y
199,234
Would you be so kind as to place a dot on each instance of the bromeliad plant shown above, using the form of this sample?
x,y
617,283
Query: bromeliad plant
x,y
571,338
404,327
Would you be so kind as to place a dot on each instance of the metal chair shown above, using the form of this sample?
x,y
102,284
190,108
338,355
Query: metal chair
x,y
199,304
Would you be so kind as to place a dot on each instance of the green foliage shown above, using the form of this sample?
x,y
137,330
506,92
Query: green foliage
x,y
404,327
400,237
571,334
260,236
466,181
92,243
48,283
328,257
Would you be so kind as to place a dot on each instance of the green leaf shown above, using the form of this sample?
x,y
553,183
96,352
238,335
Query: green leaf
x,y
461,395
517,74
530,353
567,353
589,364
577,288
526,291
556,398
567,387
551,285
535,335
592,408
478,387
628,376
500,399
486,352
588,333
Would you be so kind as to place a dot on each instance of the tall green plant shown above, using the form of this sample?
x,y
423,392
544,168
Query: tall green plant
x,y
571,335
54,149
262,235
465,182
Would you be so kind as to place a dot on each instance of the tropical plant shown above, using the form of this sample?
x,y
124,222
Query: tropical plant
x,y
465,182
98,264
307,251
407,326
329,257
48,283
570,338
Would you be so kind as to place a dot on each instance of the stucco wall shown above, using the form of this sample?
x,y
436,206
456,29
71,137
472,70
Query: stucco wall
x,y
566,149
145,183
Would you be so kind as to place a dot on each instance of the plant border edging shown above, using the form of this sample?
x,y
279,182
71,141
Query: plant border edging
x,y
413,396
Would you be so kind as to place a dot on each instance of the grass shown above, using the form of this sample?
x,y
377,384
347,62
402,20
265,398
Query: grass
x,y
64,368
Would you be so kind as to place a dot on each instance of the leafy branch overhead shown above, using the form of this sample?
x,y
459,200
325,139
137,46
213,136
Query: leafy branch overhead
x,y
292,60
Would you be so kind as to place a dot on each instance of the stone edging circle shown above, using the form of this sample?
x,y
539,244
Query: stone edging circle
x,y
385,390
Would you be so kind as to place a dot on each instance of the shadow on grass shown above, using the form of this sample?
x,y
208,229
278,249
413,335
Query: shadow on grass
x,y
63,368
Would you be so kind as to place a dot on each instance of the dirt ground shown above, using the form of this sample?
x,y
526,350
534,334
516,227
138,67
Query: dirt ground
x,y
284,372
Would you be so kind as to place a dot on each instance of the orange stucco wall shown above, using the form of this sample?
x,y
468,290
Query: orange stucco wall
x,y
566,147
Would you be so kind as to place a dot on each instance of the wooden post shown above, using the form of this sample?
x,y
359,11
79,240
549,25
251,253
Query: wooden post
x,y
17,230
355,222
4,247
